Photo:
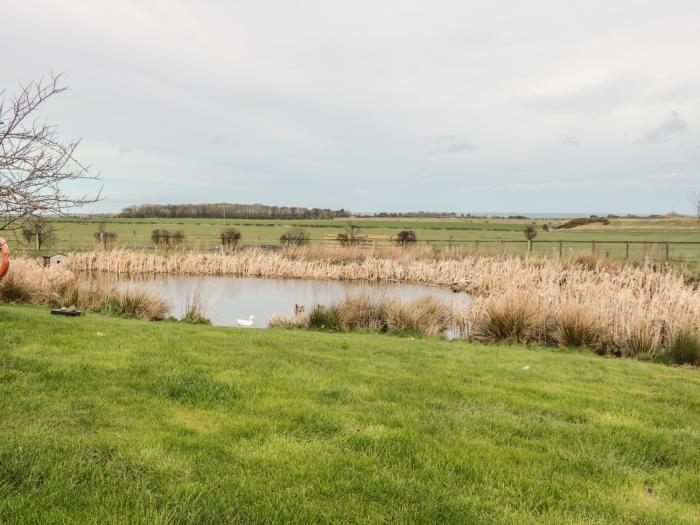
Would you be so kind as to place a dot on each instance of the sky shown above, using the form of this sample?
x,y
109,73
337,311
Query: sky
x,y
501,106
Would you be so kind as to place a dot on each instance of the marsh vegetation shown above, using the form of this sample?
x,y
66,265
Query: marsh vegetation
x,y
633,310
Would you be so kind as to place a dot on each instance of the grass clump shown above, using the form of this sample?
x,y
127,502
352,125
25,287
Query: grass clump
x,y
579,326
512,318
684,348
135,304
426,316
195,307
325,318
14,290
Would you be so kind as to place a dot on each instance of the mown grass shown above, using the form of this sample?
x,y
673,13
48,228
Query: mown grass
x,y
105,420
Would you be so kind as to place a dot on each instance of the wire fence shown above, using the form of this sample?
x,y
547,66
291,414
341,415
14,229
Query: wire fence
x,y
655,250
675,251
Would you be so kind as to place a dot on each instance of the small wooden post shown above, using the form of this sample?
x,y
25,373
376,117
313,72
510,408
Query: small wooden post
x,y
561,249
529,245
593,247
477,245
627,250
667,250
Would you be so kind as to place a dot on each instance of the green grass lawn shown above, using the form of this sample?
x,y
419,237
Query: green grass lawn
x,y
106,420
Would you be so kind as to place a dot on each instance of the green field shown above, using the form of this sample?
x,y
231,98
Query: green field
x,y
647,236
106,420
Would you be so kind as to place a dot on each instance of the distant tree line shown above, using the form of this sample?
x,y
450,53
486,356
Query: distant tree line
x,y
419,214
228,210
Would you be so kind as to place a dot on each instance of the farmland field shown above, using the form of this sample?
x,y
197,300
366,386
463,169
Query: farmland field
x,y
108,420
646,235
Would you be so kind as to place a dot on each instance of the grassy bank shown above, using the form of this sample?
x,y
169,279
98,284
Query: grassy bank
x,y
107,420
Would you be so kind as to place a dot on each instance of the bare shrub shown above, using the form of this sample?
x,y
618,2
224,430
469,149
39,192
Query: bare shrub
x,y
106,240
230,237
351,235
295,237
406,238
38,231
530,232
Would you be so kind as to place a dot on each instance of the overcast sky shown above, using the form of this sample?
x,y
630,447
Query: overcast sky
x,y
538,106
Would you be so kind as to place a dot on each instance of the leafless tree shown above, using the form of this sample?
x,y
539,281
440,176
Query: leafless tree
x,y
35,163
351,235
39,231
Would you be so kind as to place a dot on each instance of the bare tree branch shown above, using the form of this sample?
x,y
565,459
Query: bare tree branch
x,y
35,164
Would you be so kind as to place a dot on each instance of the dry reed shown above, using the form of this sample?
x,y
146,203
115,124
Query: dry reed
x,y
31,282
426,316
582,300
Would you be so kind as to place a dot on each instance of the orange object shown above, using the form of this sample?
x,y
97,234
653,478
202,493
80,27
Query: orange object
x,y
5,261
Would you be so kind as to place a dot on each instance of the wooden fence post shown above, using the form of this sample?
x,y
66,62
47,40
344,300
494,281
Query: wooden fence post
x,y
561,249
627,250
667,250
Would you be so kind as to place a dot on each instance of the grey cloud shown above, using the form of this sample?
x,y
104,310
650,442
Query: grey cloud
x,y
674,125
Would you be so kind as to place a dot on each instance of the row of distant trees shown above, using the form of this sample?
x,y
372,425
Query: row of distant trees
x,y
41,232
229,210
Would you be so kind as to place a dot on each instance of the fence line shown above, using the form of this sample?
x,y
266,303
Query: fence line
x,y
684,251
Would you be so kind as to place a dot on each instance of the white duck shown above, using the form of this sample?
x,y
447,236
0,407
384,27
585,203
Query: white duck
x,y
246,322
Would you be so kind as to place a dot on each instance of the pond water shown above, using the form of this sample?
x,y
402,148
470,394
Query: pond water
x,y
227,298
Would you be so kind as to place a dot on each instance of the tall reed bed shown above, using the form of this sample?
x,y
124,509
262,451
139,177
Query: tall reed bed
x,y
582,300
30,282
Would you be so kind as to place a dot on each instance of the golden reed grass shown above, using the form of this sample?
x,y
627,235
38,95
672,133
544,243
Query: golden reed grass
x,y
577,301
31,282
427,316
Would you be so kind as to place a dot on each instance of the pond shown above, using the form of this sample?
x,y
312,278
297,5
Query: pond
x,y
227,298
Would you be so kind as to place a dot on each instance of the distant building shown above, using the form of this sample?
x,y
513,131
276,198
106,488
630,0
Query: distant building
x,y
53,259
